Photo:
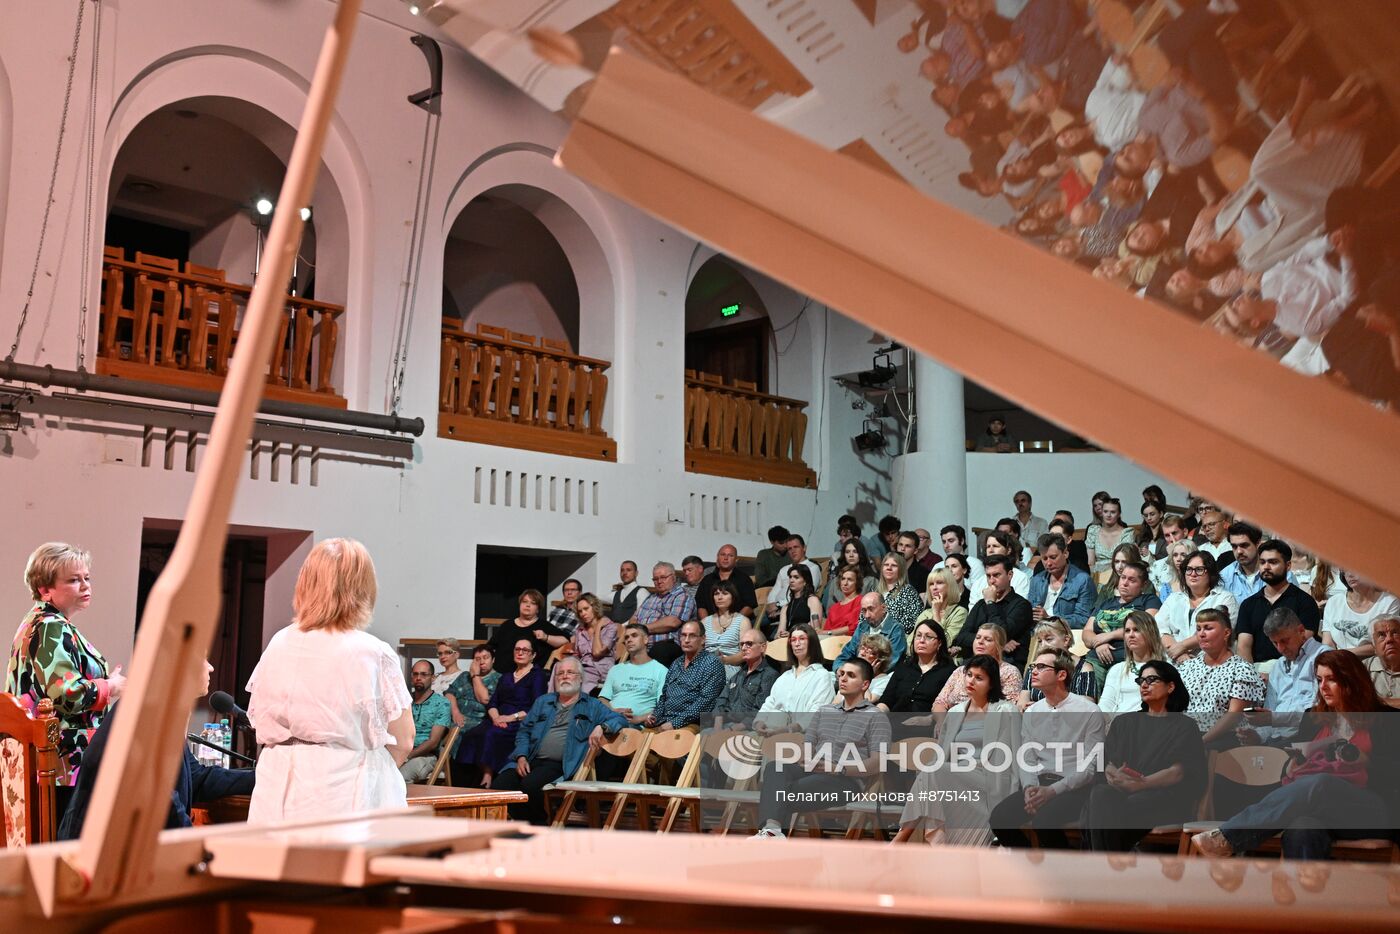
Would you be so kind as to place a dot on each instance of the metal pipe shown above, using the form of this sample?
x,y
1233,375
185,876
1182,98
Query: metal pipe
x,y
75,379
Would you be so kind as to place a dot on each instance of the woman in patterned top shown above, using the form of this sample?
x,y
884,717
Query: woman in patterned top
x,y
1221,684
901,601
51,658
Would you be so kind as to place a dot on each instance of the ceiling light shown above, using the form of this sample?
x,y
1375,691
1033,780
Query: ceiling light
x,y
305,214
263,206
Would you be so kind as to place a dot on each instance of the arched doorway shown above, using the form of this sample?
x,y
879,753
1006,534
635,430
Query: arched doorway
x,y
727,331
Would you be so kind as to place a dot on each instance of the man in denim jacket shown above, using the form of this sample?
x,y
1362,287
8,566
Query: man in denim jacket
x,y
554,738
1074,588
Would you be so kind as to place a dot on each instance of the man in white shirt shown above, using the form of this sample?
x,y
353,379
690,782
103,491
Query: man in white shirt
x,y
954,541
1032,526
626,596
1000,543
1062,740
1214,528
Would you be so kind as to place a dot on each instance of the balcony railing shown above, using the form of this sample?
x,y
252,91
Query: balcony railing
x,y
164,325
736,431
519,391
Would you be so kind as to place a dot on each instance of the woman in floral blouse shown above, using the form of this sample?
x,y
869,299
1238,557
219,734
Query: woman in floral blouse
x,y
51,658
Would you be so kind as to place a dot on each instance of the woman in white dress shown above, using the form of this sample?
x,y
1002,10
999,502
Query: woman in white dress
x,y
328,699
806,685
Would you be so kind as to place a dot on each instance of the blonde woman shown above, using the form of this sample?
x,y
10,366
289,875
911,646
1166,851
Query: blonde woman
x,y
1168,580
328,699
990,640
945,594
901,601
1054,635
1143,643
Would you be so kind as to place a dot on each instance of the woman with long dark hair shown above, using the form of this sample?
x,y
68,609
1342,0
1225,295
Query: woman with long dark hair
x,y
1343,780
1155,764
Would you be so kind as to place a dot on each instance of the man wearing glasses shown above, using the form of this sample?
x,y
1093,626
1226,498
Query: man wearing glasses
x,y
746,691
663,611
1060,734
692,685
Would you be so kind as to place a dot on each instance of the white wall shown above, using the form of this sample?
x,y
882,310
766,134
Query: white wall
x,y
1056,481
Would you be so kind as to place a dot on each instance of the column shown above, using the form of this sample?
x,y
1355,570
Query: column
x,y
931,482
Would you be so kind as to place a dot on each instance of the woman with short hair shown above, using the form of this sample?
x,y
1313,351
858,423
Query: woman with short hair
x,y
1220,683
328,700
449,653
529,623
594,642
877,650
990,640
945,603
51,659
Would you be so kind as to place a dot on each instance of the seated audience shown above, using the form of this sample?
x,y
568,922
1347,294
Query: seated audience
x,y
1063,525
1241,576
692,573
1384,666
1292,684
627,594
902,602
565,618
1142,644
1212,533
1200,589
989,639
1059,588
999,542
1347,618
961,567
449,651
802,689
1032,526
851,723
1155,765
954,539
1103,634
663,611
852,555
802,604
875,649
594,642
1274,559
544,638
554,738
1123,555
907,547
873,618
945,599
1108,534
953,805
432,718
725,627
915,682
843,612
692,685
1163,568
1054,635
488,745
726,561
749,684
1056,765
1343,781
1220,683
770,560
1003,607
195,783
1152,535
886,532
471,692
633,685
1166,573
778,596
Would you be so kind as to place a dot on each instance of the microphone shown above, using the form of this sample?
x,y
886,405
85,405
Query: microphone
x,y
223,702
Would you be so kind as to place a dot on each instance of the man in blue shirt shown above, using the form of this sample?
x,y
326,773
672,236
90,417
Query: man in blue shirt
x,y
432,718
554,738
873,618
1241,577
1292,685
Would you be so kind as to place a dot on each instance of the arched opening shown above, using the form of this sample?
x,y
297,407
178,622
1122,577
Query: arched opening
x,y
727,331
190,198
522,277
503,267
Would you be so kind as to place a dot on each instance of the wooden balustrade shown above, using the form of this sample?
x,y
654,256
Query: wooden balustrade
x,y
736,431
160,324
502,387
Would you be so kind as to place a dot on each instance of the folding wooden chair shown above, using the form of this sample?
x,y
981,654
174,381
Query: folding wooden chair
x,y
1247,766
678,749
585,787
742,799
832,646
443,766
28,771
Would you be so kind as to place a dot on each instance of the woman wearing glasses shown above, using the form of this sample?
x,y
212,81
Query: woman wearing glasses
x,y
1155,765
1199,579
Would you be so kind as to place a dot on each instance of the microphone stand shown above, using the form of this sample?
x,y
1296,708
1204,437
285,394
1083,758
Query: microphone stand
x,y
215,746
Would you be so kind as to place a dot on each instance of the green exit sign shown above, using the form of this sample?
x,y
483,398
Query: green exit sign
x,y
729,311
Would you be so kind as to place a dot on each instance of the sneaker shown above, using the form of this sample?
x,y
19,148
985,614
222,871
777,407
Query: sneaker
x,y
769,833
1212,843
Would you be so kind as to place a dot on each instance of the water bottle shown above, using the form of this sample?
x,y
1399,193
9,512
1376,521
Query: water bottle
x,y
225,740
206,754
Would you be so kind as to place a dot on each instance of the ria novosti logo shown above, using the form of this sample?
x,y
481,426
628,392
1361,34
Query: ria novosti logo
x,y
741,757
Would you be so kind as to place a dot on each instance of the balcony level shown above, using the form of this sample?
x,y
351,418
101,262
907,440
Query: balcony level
x,y
163,324
518,390
736,431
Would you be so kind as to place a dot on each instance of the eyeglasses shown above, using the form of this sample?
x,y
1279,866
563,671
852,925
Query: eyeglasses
x,y
1041,666
1149,680
1197,569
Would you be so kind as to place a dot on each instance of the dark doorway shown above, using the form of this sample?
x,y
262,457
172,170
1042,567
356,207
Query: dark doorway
x,y
735,352
500,578
133,235
238,643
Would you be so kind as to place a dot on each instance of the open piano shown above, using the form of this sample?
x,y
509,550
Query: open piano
x,y
853,237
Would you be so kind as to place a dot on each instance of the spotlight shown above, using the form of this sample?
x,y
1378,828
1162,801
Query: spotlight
x,y
263,206
413,9
9,414
881,371
871,438
305,214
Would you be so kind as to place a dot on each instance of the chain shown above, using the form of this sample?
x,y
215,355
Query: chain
x,y
53,179
88,194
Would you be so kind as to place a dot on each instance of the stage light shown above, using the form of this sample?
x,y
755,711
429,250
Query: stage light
x,y
263,206
881,371
871,438
305,214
